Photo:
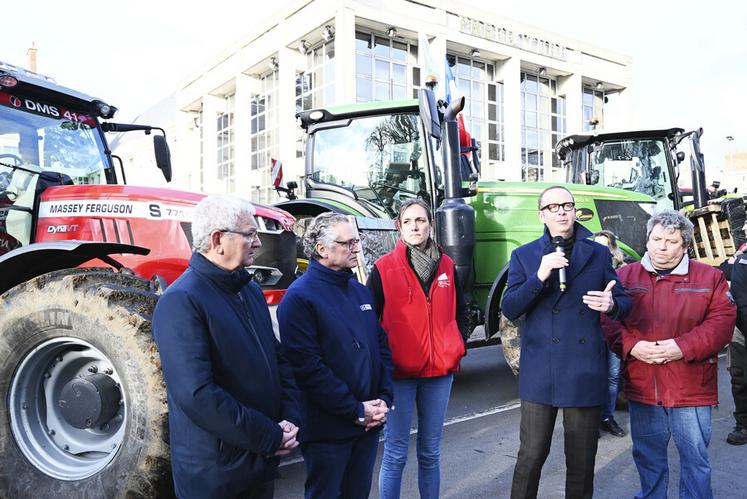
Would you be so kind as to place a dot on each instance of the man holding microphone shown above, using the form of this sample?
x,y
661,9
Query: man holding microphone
x,y
561,283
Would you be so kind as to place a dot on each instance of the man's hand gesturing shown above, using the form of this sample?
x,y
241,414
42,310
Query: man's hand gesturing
x,y
601,301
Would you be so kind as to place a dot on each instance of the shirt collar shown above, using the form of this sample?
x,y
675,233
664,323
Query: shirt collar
x,y
682,268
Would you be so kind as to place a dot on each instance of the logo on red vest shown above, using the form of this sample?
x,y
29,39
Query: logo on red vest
x,y
443,281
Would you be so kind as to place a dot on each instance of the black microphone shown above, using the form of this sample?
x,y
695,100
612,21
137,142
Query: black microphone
x,y
559,243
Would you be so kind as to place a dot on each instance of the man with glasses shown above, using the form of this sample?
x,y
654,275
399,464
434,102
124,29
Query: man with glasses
x,y
562,283
331,335
233,403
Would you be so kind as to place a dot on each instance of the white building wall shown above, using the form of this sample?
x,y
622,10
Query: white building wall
x,y
450,26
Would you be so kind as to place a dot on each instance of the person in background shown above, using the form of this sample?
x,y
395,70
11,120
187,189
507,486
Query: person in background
x,y
422,310
608,423
233,404
563,355
341,360
736,357
682,316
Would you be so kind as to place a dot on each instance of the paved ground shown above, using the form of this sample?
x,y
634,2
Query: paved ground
x,y
481,441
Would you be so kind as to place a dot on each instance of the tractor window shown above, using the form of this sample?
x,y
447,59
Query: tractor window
x,y
36,136
638,165
381,158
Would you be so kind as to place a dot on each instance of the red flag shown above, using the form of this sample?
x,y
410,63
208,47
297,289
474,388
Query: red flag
x,y
277,172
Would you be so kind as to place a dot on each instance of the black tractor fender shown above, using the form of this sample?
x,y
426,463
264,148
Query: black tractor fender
x,y
307,207
27,262
493,303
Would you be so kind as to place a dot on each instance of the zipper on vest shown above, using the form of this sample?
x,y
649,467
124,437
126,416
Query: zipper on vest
x,y
430,334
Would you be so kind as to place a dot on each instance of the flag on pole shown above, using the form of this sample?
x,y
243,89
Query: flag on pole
x,y
452,92
276,173
431,70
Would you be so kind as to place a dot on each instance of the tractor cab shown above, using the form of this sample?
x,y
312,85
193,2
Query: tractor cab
x,y
647,162
43,141
50,136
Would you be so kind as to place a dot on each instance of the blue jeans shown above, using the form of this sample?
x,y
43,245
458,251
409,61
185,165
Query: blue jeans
x,y
431,395
613,382
690,428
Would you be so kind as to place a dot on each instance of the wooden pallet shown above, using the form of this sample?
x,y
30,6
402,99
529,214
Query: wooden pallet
x,y
712,240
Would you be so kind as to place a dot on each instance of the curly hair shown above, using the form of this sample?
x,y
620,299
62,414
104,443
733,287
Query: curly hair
x,y
218,212
320,231
671,220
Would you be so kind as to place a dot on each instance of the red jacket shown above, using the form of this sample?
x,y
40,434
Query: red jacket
x,y
422,330
691,305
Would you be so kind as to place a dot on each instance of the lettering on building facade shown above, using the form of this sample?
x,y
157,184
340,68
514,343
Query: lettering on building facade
x,y
505,36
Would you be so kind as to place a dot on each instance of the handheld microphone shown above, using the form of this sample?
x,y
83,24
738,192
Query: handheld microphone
x,y
559,243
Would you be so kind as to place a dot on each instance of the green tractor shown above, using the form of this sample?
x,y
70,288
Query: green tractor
x,y
364,160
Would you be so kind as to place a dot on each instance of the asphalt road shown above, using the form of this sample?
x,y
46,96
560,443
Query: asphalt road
x,y
481,440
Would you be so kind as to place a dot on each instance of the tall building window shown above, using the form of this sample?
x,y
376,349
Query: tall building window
x,y
542,125
483,112
225,144
381,68
592,109
315,87
264,131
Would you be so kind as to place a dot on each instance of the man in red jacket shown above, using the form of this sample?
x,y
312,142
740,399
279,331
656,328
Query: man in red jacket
x,y
682,316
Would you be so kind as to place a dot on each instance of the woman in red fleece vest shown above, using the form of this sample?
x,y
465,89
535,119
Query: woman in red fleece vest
x,y
423,313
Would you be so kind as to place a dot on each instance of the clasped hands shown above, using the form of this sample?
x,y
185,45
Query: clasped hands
x,y
374,413
657,352
289,442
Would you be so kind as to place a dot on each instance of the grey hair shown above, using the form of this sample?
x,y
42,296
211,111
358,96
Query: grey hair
x,y
218,212
320,231
671,220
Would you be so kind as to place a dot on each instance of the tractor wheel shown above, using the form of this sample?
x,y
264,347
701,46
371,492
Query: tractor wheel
x,y
82,400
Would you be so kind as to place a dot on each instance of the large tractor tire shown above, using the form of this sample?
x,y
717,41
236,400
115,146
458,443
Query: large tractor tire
x,y
82,400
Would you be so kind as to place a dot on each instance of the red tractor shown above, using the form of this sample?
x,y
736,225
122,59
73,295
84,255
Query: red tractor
x,y
82,261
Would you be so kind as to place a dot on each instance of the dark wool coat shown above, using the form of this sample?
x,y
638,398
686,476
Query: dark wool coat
x,y
563,352
227,385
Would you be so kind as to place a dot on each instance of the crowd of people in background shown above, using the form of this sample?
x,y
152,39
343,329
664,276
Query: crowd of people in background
x,y
356,362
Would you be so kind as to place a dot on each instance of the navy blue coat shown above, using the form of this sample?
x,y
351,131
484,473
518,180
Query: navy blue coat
x,y
331,335
563,354
227,385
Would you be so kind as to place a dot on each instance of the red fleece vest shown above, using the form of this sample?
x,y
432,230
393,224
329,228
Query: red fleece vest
x,y
422,330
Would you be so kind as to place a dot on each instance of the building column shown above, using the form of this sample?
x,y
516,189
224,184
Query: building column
x,y
509,72
344,57
211,106
241,128
572,88
289,62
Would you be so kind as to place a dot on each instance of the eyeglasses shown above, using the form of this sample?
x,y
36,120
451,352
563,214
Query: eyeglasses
x,y
555,207
350,243
246,235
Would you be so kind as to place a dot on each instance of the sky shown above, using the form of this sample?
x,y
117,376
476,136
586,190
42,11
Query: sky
x,y
689,57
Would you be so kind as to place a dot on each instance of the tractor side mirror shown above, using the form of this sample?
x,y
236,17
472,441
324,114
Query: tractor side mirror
x,y
163,155
429,113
